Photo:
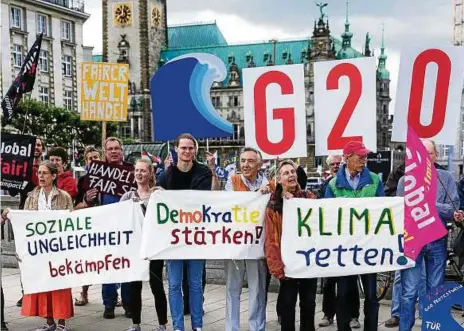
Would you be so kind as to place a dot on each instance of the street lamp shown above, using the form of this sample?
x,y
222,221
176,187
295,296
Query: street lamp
x,y
274,42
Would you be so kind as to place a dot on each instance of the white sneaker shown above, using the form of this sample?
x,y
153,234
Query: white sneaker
x,y
134,328
161,328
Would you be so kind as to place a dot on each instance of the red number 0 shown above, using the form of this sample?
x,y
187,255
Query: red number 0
x,y
335,140
441,92
287,115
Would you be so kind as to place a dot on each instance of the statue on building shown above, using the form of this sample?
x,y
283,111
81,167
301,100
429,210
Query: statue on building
x,y
123,47
321,5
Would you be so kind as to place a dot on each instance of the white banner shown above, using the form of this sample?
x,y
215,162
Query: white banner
x,y
63,249
204,225
429,93
274,110
345,102
339,237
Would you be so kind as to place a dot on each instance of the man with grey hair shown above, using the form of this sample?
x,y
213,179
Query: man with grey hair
x,y
432,254
333,162
252,180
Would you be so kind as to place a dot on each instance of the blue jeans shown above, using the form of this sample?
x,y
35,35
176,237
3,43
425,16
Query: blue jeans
x,y
433,256
176,303
110,294
396,296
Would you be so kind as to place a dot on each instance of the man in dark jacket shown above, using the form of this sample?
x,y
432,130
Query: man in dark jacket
x,y
187,174
392,181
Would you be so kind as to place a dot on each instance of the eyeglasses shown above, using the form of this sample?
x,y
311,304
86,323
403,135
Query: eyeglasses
x,y
334,164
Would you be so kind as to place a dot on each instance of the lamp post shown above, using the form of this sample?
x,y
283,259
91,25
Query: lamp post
x,y
274,42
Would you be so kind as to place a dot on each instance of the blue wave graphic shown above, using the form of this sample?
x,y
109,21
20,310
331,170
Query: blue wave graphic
x,y
181,102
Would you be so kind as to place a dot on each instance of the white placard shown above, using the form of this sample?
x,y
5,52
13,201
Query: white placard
x,y
345,104
204,225
340,237
429,93
274,110
62,249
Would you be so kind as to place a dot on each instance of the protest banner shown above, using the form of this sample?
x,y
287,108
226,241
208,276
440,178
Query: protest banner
x,y
16,160
274,110
204,225
344,100
63,249
429,93
422,224
343,236
110,178
104,91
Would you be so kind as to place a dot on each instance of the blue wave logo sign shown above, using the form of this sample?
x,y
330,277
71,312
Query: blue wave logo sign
x,y
437,307
181,101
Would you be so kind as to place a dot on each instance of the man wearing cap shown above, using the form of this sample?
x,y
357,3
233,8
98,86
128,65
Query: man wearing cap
x,y
354,180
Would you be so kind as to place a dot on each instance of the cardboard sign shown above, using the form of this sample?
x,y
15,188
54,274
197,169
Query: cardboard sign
x,y
422,222
429,93
342,236
64,249
110,178
204,225
344,104
16,160
104,91
274,110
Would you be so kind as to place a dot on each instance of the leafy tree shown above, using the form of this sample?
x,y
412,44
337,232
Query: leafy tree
x,y
57,125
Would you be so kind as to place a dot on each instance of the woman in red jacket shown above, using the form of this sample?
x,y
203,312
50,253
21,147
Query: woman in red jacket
x,y
66,181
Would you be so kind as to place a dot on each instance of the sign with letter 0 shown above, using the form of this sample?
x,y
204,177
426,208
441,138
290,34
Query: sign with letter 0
x,y
429,93
274,110
345,104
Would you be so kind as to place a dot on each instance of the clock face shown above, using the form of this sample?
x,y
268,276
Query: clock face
x,y
122,13
156,17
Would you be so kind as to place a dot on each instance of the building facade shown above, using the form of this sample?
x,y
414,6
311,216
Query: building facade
x,y
62,52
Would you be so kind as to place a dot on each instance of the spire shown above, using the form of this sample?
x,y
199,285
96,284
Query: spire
x,y
382,71
347,35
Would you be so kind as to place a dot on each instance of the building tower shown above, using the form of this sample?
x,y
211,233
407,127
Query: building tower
x,y
346,52
135,32
383,99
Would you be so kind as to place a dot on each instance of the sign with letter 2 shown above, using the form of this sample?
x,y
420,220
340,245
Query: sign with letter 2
x,y
274,110
429,93
345,104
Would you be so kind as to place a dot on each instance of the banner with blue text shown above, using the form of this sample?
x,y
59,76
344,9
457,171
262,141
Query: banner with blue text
x,y
63,249
340,237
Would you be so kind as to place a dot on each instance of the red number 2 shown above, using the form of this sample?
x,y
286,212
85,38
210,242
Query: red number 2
x,y
441,92
335,140
287,115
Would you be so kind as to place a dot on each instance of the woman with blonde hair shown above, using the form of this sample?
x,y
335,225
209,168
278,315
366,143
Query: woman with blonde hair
x,y
52,305
146,181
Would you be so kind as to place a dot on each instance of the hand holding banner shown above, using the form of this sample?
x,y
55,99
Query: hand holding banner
x,y
204,225
112,179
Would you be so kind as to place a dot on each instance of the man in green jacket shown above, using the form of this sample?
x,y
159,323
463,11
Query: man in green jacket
x,y
354,180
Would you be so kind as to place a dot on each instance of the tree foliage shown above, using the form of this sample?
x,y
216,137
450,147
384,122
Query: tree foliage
x,y
57,125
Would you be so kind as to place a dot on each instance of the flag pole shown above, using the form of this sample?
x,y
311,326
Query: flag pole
x,y
103,135
27,113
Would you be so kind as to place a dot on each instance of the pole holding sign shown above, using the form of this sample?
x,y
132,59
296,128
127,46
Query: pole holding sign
x,y
274,110
429,93
345,104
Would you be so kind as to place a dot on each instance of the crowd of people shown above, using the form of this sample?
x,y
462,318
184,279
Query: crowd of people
x,y
53,188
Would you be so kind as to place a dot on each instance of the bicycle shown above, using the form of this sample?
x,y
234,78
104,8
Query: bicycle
x,y
384,281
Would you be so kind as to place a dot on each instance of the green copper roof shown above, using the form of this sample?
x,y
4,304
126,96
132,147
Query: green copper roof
x,y
382,72
195,35
97,58
261,53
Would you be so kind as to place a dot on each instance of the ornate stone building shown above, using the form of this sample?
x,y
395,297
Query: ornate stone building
x,y
132,42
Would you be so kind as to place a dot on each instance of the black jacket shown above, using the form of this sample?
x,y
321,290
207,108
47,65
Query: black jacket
x,y
202,178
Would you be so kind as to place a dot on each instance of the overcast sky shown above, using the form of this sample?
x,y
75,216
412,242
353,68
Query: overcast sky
x,y
406,21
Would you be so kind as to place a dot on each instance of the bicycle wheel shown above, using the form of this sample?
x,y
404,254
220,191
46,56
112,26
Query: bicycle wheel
x,y
384,280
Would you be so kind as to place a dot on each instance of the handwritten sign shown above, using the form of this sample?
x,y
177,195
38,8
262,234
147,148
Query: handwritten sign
x,y
343,236
422,223
62,249
110,178
204,225
16,160
104,91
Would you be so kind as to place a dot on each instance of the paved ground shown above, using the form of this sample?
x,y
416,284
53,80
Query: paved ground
x,y
89,318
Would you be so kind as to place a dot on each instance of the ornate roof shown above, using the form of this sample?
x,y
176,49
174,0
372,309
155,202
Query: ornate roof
x,y
259,53
195,35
